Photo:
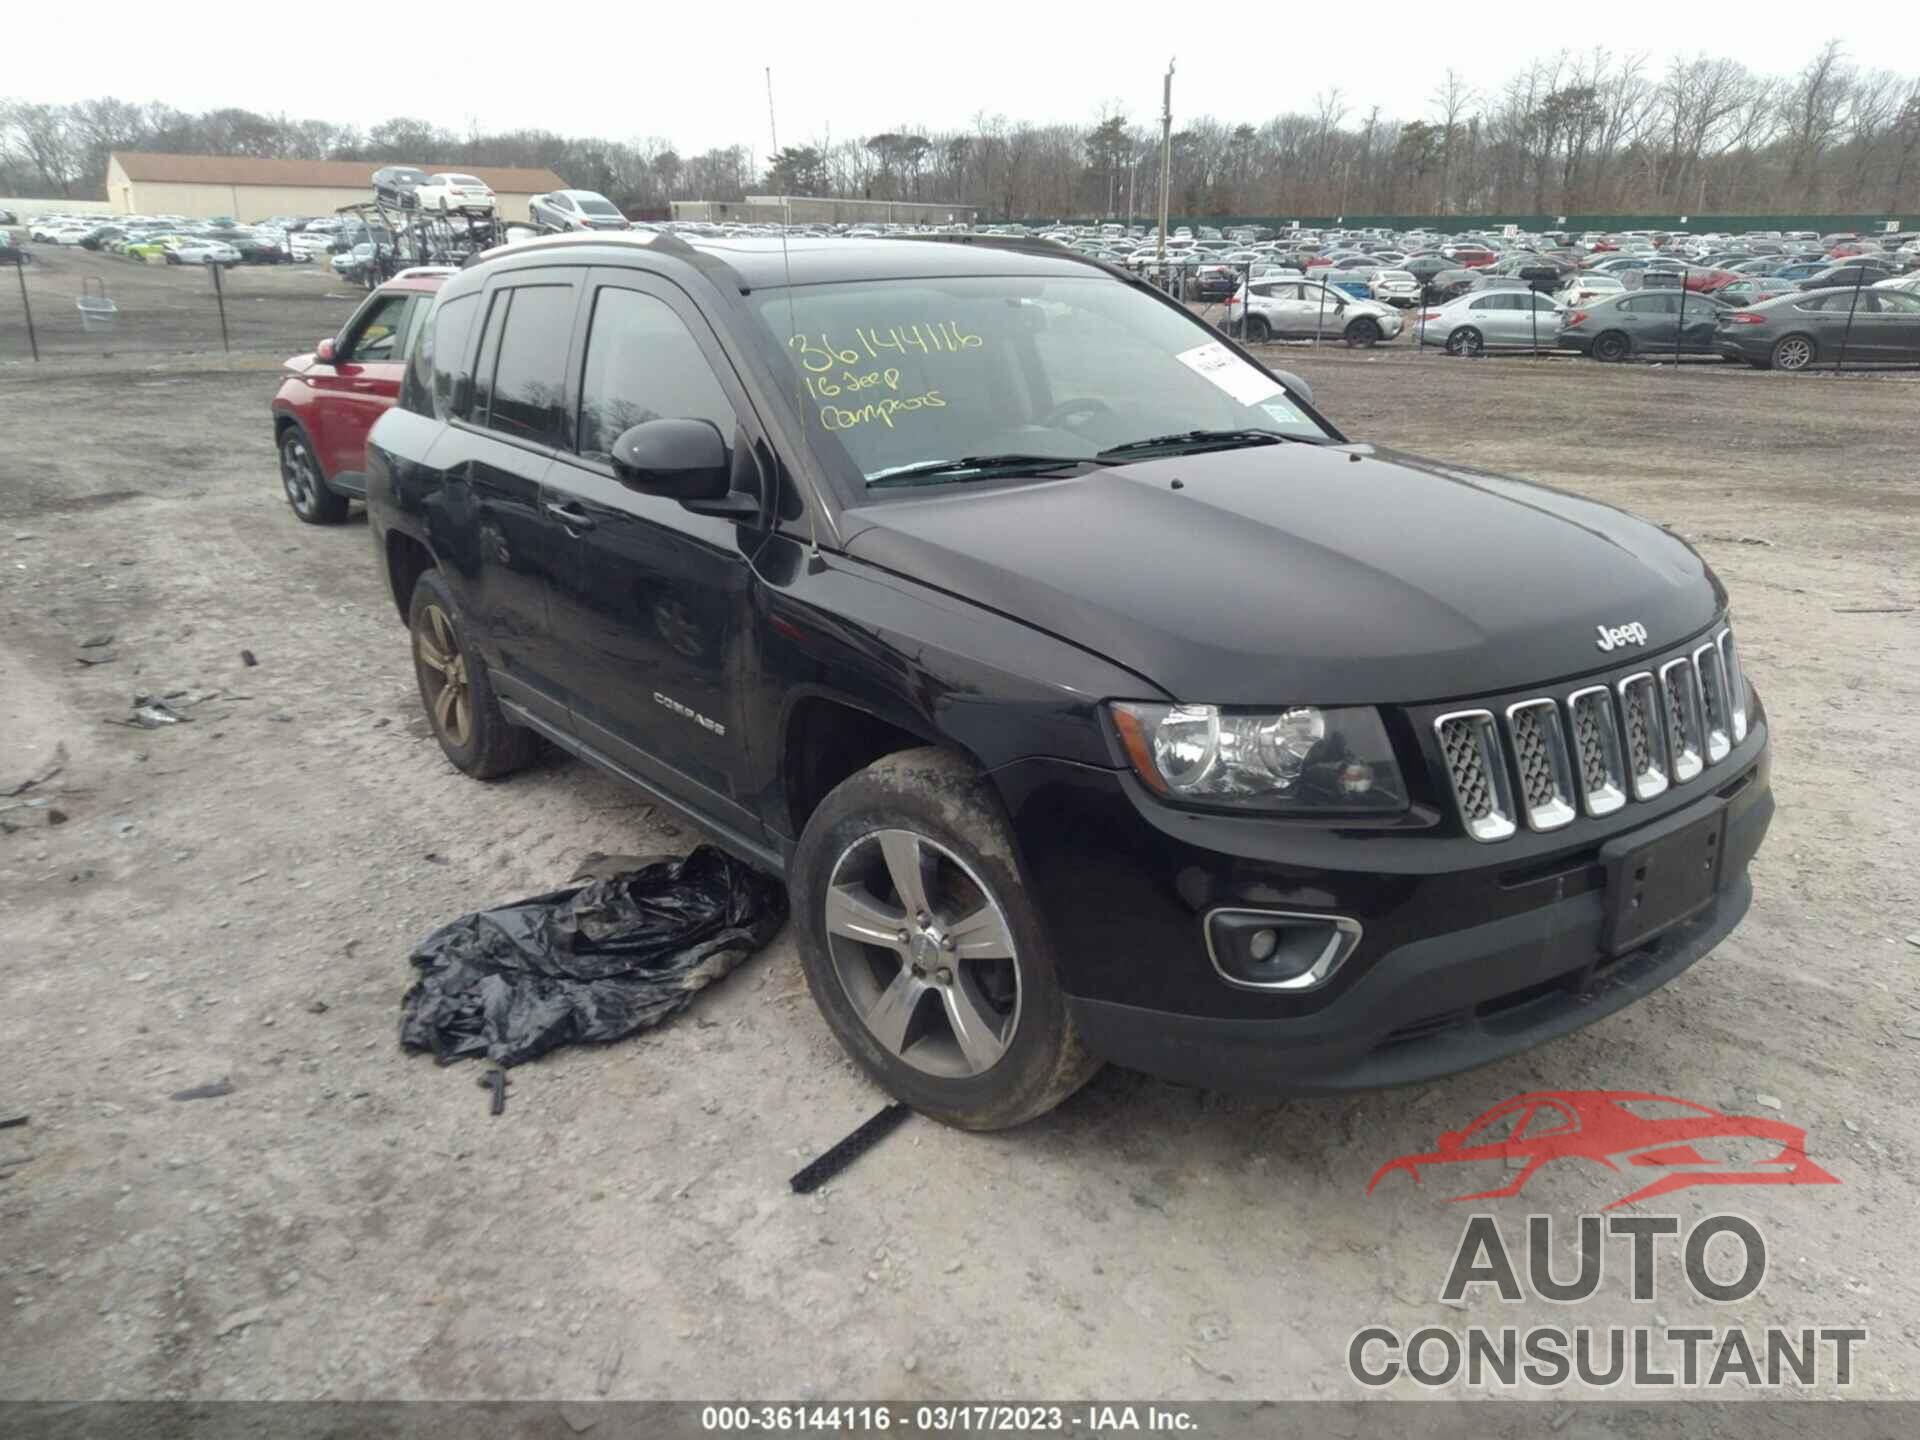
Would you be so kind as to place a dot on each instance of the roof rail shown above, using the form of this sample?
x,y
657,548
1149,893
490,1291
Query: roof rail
x,y
413,272
1025,245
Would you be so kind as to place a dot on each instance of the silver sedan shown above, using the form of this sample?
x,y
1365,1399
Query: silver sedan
x,y
1483,320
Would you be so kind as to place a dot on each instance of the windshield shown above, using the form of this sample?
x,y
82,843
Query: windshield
x,y
906,373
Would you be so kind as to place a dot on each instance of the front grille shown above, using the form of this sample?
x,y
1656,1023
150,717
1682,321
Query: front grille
x,y
1599,747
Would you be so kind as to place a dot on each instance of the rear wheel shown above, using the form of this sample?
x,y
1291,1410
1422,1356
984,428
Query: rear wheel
x,y
307,492
456,691
1258,331
922,950
1792,352
1612,346
1364,333
1466,341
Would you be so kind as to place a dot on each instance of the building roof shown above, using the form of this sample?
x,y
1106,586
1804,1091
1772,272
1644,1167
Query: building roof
x,y
319,174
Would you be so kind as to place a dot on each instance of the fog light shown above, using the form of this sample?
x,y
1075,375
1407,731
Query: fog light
x,y
1278,949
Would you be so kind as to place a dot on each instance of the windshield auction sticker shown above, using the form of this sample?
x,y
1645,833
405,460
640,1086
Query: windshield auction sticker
x,y
1688,1285
1244,382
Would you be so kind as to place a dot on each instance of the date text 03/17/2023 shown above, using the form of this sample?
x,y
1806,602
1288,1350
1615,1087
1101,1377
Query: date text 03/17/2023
x,y
960,1419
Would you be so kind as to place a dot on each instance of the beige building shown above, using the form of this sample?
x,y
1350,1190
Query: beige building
x,y
246,189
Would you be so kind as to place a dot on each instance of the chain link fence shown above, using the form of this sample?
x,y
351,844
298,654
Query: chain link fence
x,y
69,303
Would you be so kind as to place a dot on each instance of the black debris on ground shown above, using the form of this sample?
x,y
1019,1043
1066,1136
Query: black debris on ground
x,y
589,964
875,1129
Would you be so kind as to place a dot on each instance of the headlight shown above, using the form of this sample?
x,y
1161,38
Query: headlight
x,y
1299,759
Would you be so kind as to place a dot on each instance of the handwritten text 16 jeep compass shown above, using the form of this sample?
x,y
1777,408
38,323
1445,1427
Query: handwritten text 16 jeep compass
x,y
1097,699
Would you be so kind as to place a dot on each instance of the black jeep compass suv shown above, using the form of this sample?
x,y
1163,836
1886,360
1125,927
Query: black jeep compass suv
x,y
1097,699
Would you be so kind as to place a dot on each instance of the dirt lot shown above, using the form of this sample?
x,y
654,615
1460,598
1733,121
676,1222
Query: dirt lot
x,y
234,898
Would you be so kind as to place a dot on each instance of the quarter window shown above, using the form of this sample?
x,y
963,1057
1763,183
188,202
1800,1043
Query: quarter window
x,y
443,349
529,383
643,363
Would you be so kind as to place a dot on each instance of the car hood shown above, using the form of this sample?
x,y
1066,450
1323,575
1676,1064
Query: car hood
x,y
1305,574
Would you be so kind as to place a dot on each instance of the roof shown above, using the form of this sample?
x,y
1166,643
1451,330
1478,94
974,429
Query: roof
x,y
760,262
318,174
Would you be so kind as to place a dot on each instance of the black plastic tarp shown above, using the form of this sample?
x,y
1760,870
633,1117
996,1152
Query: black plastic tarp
x,y
594,963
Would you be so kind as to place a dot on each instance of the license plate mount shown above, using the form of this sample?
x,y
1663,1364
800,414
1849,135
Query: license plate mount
x,y
1658,877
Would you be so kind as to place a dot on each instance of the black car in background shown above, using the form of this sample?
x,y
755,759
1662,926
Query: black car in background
x,y
1095,697
399,185
1875,326
1858,270
1660,321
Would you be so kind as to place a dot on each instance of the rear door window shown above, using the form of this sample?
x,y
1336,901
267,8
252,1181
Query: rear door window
x,y
442,355
529,382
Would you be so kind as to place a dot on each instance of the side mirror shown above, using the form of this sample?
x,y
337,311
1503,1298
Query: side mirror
x,y
324,352
1294,383
684,460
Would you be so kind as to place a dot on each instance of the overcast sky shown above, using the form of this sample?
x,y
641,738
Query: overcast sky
x,y
695,74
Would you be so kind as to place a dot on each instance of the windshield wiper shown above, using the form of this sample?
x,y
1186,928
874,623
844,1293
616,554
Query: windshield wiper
x,y
1200,440
972,465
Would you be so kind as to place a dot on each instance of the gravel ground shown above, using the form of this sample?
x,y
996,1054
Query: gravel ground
x,y
233,899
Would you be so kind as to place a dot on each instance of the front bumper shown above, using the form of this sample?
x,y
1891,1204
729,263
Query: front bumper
x,y
1469,952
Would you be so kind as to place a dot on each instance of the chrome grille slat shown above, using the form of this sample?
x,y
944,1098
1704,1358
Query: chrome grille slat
x,y
1596,740
1540,756
1710,674
1736,684
1680,704
1471,747
1646,743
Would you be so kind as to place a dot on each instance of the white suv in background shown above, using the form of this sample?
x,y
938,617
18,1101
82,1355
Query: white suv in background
x,y
449,191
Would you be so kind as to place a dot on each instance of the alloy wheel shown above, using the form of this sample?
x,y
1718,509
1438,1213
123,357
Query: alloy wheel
x,y
924,953
298,474
1793,353
443,676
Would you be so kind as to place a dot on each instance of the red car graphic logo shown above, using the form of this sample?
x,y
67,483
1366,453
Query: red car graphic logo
x,y
1689,1143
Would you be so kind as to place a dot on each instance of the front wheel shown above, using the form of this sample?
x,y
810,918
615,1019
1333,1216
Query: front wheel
x,y
307,492
923,951
1363,334
1793,352
1466,341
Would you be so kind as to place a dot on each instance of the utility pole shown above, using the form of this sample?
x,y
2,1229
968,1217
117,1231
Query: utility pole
x,y
1166,160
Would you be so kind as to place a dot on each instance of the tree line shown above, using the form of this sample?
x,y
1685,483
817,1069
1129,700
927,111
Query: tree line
x,y
1593,132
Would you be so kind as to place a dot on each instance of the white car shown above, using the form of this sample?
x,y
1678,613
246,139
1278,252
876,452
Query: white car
x,y
451,191
196,250
1584,289
306,244
1396,287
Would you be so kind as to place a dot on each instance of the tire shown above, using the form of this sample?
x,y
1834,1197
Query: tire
x,y
1612,347
307,493
1258,331
1466,341
1793,352
474,733
1026,1055
1363,334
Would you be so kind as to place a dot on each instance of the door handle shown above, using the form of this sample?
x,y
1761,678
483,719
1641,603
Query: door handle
x,y
570,515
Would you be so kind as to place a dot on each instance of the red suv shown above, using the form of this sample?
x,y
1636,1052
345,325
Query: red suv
x,y
330,399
